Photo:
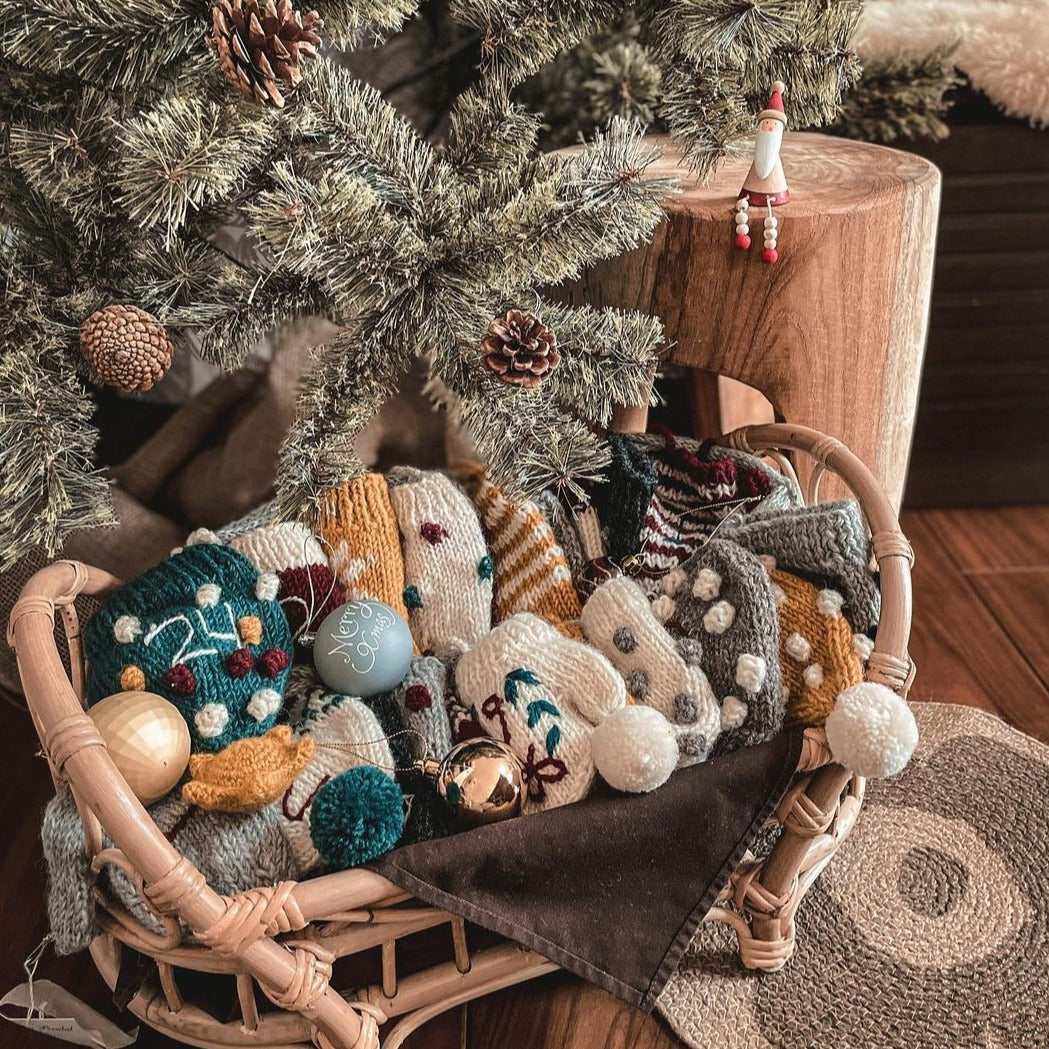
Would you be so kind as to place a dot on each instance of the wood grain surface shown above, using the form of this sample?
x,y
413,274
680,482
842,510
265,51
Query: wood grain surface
x,y
967,650
832,334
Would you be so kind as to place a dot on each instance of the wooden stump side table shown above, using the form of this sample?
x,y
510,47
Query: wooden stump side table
x,y
833,333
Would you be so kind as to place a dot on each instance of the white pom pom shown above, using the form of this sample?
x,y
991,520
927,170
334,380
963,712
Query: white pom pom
x,y
634,749
871,731
266,586
126,629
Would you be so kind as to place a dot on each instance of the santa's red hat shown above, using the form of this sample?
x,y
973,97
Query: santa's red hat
x,y
774,110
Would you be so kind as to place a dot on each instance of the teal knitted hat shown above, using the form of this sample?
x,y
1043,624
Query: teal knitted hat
x,y
204,630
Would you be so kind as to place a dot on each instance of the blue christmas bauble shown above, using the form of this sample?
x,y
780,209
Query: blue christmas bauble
x,y
362,648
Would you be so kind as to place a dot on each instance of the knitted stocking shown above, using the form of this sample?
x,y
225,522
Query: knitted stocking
x,y
531,573
420,700
536,691
448,569
357,521
618,620
723,599
346,734
818,654
622,499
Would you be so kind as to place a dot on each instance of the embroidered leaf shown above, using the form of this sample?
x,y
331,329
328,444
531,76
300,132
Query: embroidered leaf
x,y
553,737
537,708
515,678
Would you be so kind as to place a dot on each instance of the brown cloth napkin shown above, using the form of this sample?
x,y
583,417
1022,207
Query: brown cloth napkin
x,y
613,887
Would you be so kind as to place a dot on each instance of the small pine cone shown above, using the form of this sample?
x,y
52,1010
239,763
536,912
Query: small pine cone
x,y
520,349
260,44
125,347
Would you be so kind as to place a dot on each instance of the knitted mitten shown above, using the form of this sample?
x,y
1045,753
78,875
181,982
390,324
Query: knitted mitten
x,y
249,774
531,573
828,542
420,700
203,629
307,589
346,734
818,657
618,620
538,692
357,522
723,599
448,569
622,499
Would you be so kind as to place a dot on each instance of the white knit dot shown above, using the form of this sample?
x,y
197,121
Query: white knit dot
x,y
733,712
264,703
201,535
750,672
663,607
211,720
127,628
561,574
813,675
779,596
266,586
719,618
862,646
797,648
673,581
707,585
208,595
828,603
768,562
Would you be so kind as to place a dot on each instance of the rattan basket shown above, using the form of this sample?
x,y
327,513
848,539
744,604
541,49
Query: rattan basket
x,y
285,940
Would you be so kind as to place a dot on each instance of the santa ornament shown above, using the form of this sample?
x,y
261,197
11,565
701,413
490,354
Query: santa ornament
x,y
765,185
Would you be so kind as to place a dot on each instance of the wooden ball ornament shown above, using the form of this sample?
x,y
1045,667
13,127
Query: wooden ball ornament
x,y
147,739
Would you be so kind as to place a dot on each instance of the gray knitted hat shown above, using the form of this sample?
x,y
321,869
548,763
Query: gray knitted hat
x,y
827,542
234,852
722,600
420,703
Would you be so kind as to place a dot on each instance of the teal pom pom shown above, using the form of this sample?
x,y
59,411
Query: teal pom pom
x,y
355,817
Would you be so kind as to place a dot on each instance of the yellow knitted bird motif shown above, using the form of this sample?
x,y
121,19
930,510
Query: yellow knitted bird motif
x,y
249,774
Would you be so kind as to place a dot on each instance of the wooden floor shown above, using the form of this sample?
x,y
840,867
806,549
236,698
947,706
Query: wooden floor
x,y
981,637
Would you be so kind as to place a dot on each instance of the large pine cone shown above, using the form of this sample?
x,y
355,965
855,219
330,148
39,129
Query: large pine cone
x,y
261,46
520,349
125,347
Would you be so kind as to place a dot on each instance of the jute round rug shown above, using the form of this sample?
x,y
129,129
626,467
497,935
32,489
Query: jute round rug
x,y
929,929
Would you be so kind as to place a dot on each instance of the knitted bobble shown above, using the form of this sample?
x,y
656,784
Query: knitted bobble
x,y
181,680
450,603
249,628
357,522
265,703
239,663
346,734
132,679
531,573
127,628
618,620
273,661
266,586
208,595
519,693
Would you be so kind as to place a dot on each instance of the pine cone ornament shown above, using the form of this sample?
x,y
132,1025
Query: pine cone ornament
x,y
520,349
260,46
126,347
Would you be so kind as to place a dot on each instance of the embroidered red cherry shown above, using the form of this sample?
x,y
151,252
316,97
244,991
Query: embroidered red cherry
x,y
239,663
417,697
180,680
273,661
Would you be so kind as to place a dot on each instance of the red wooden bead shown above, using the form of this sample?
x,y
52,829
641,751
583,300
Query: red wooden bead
x,y
742,241
769,255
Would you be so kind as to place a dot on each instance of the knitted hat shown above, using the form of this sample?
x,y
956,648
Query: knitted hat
x,y
204,630
622,499
541,693
356,520
827,542
618,620
307,588
870,730
447,568
530,570
233,852
565,535
723,601
346,734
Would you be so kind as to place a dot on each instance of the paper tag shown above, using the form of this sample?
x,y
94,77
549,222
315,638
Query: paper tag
x,y
52,1010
